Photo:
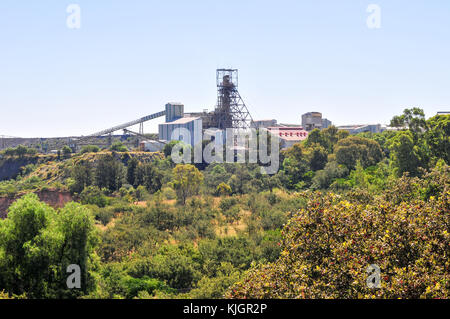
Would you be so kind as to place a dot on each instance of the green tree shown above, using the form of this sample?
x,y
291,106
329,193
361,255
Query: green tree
x,y
186,181
92,195
324,178
118,147
414,119
404,154
109,173
215,174
89,149
223,189
353,148
295,165
318,157
316,137
82,175
77,241
328,245
167,150
21,150
131,171
149,176
66,151
26,246
359,176
37,244
438,137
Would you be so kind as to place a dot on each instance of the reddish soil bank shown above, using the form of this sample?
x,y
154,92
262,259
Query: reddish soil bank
x,y
56,199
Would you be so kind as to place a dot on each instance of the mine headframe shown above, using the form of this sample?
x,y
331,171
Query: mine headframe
x,y
231,111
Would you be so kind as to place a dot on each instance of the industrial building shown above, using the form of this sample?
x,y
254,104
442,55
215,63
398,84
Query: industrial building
x,y
216,135
314,120
151,146
207,118
186,129
326,123
289,135
355,129
230,112
174,111
264,123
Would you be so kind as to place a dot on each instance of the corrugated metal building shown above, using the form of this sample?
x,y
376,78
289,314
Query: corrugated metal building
x,y
186,129
264,123
355,129
174,111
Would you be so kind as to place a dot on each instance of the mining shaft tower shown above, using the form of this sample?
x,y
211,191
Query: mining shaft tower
x,y
231,111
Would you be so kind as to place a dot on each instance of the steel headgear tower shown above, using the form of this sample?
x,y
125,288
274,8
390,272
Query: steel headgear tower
x,y
230,111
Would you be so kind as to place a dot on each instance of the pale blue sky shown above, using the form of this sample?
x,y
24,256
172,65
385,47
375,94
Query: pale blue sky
x,y
131,57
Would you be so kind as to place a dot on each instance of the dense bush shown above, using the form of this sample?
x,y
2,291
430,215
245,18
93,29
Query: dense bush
x,y
118,147
327,247
109,173
353,149
89,149
37,244
93,195
267,236
324,178
19,151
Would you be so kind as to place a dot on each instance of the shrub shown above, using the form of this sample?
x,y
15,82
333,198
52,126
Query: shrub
x,y
273,219
351,149
324,178
118,147
89,149
223,189
327,248
94,196
136,285
66,151
227,203
141,193
169,193
232,214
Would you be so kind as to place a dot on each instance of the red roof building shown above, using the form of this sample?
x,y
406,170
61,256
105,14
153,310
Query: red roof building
x,y
289,135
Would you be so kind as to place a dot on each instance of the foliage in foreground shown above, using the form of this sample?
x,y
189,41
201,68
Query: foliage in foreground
x,y
37,244
327,247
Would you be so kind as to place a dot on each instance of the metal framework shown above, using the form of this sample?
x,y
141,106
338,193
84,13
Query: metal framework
x,y
132,123
139,135
231,111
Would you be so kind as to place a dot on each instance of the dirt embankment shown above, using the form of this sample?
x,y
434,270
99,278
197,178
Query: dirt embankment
x,y
56,199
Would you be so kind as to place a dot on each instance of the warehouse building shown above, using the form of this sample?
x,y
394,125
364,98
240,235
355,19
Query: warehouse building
x,y
180,128
264,123
314,120
355,129
186,129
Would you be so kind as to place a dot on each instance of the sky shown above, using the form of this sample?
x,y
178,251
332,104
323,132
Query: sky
x,y
130,57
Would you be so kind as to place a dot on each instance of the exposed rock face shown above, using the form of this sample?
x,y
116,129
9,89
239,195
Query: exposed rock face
x,y
56,199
